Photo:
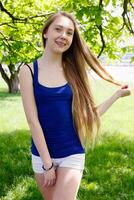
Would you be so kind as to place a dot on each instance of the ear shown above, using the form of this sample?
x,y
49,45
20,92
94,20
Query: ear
x,y
45,35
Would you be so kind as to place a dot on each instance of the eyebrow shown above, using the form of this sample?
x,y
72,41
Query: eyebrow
x,y
63,26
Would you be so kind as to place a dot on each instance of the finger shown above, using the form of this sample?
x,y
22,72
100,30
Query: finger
x,y
54,181
124,87
46,182
50,184
126,93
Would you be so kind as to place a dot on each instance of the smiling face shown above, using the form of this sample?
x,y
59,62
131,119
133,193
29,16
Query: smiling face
x,y
59,34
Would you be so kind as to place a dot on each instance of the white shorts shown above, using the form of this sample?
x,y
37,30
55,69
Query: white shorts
x,y
75,161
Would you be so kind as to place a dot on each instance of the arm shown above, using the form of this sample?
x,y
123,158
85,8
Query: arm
x,y
26,89
103,107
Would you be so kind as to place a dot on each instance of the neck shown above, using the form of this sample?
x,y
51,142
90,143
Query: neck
x,y
53,60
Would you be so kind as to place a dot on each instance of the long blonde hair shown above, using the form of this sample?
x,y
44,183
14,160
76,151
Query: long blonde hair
x,y
76,62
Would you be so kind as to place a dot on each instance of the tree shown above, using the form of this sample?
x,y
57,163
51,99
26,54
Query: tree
x,y
21,23
19,36
105,24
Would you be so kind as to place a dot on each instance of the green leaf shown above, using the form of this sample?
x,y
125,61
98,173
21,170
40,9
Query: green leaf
x,y
98,20
19,40
106,2
132,60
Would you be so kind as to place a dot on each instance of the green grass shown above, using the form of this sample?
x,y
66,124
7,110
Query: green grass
x,y
109,170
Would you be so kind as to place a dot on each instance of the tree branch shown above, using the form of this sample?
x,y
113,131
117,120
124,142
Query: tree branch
x,y
19,67
100,28
100,3
129,22
8,24
3,9
3,74
102,40
25,41
131,4
126,20
7,12
6,42
9,47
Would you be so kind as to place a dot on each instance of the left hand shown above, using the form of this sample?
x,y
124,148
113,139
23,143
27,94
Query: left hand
x,y
124,91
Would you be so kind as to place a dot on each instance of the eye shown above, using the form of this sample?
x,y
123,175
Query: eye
x,y
70,33
58,29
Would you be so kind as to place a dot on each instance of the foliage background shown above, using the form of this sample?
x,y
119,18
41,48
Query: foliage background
x,y
106,25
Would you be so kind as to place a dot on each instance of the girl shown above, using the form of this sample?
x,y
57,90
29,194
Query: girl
x,y
59,107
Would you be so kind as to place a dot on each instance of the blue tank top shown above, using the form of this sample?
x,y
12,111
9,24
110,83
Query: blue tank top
x,y
54,107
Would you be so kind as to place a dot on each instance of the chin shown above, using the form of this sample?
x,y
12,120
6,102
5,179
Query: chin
x,y
59,50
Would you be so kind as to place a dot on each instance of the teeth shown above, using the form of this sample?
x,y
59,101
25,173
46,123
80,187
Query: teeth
x,y
60,43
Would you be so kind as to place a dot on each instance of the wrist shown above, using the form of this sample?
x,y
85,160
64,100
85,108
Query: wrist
x,y
48,167
47,164
117,94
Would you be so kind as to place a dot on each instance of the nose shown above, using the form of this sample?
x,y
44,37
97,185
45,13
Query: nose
x,y
63,35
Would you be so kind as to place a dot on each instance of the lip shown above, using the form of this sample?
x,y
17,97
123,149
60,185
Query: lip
x,y
61,44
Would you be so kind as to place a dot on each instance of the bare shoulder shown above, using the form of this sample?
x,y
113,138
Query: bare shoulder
x,y
25,68
27,93
26,85
25,72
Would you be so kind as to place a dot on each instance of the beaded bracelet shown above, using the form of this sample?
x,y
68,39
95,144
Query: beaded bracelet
x,y
48,168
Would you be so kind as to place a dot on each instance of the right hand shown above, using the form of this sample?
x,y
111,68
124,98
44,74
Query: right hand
x,y
123,91
50,177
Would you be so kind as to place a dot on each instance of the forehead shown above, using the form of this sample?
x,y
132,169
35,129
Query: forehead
x,y
64,22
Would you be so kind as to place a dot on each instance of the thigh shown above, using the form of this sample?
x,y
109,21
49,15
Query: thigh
x,y
67,183
47,192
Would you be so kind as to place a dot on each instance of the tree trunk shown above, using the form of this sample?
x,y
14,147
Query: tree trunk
x,y
12,82
13,85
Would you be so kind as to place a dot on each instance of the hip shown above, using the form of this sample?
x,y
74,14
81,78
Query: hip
x,y
74,161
